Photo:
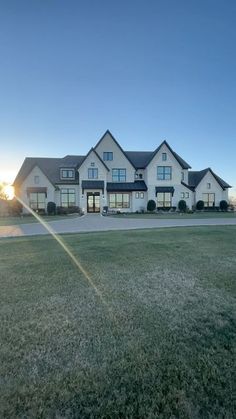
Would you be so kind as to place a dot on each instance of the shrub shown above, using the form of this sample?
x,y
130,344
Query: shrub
x,y
65,210
200,205
14,207
151,205
51,208
182,205
224,205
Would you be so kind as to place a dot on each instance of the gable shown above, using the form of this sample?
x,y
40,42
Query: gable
x,y
109,144
164,147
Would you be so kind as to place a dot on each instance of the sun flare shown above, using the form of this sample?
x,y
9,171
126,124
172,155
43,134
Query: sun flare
x,y
9,191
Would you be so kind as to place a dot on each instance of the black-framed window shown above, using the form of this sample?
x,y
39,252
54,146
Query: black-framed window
x,y
164,156
139,195
68,197
107,155
164,172
37,200
208,199
36,180
67,174
182,176
118,175
164,199
92,173
119,200
208,186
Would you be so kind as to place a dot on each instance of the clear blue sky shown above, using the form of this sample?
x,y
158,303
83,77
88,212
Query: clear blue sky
x,y
147,70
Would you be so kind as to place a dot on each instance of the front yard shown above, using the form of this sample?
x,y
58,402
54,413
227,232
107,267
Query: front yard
x,y
28,219
154,338
177,215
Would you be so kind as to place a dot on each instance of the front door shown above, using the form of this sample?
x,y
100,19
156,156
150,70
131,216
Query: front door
x,y
93,202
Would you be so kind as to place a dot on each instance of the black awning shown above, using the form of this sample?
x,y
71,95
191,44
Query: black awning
x,y
92,184
139,185
36,189
162,189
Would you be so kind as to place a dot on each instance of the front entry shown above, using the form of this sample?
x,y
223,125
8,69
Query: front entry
x,y
93,202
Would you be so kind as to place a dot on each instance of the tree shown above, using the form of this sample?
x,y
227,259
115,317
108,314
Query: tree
x,y
3,194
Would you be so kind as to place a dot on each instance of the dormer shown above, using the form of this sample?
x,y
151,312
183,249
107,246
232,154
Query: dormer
x,y
67,173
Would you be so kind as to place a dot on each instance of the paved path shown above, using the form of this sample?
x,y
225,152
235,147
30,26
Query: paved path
x,y
96,222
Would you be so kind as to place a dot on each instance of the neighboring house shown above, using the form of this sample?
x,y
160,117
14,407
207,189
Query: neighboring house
x,y
121,180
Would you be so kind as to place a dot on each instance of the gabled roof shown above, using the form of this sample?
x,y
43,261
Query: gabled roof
x,y
116,142
50,168
179,159
195,177
141,159
97,155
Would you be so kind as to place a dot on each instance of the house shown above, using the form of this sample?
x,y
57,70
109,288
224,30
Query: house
x,y
121,180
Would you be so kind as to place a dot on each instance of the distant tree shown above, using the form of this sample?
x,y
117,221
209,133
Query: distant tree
x,y
151,205
182,205
2,192
14,207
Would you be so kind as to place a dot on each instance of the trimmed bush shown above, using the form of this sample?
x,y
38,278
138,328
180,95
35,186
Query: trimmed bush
x,y
182,205
51,208
151,205
224,205
65,210
200,205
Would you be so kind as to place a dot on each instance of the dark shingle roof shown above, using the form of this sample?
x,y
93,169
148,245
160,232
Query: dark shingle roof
x,y
50,167
138,185
195,177
141,159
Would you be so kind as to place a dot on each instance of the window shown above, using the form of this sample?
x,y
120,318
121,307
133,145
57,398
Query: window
x,y
182,194
92,164
107,155
164,156
118,175
164,172
208,186
186,194
36,180
209,199
182,176
164,200
138,175
67,198
92,173
37,200
119,200
67,174
139,195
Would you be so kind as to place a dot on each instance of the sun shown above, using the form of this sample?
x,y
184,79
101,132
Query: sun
x,y
9,191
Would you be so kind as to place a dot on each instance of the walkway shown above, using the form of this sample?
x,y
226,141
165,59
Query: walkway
x,y
91,222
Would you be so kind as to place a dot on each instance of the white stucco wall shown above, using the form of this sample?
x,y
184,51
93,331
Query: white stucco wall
x,y
215,188
43,182
119,159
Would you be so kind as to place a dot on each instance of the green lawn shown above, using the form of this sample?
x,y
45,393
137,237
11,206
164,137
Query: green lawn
x,y
26,219
159,344
176,215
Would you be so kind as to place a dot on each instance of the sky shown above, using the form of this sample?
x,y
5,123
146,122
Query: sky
x,y
146,70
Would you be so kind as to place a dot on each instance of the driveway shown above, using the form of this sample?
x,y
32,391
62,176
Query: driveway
x,y
92,222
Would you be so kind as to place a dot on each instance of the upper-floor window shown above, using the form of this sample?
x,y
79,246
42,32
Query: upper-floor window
x,y
67,174
164,172
107,155
182,176
208,186
118,175
36,180
164,156
92,173
138,175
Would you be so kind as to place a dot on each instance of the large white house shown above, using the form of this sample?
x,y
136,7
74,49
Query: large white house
x,y
121,180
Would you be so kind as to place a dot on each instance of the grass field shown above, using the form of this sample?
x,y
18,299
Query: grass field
x,y
159,344
178,216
